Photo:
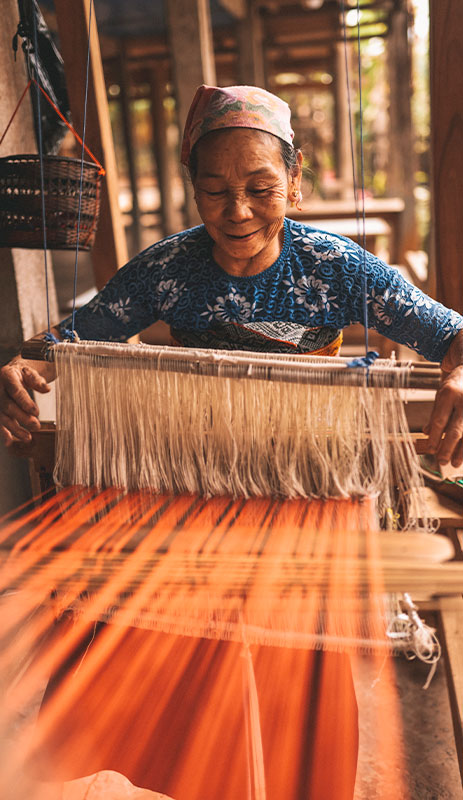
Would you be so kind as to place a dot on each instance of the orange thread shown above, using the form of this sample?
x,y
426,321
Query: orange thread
x,y
102,171
68,124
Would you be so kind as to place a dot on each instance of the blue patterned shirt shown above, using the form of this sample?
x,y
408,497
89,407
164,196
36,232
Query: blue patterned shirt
x,y
312,291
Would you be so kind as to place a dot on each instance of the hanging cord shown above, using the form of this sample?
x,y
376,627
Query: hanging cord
x,y
79,211
42,180
349,105
370,355
362,181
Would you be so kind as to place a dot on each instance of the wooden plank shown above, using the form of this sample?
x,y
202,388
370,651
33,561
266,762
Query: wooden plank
x,y
110,248
451,635
438,506
446,72
190,33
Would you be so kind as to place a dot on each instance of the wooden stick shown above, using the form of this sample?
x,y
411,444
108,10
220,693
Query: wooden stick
x,y
392,546
206,573
237,364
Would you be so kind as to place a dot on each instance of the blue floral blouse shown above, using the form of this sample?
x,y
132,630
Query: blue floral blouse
x,y
302,301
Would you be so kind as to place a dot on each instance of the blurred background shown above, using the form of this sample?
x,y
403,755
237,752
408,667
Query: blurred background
x,y
297,50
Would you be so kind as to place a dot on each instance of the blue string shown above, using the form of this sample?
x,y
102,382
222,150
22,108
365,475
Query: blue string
x,y
349,104
69,336
364,361
362,172
50,338
42,181
82,167
361,230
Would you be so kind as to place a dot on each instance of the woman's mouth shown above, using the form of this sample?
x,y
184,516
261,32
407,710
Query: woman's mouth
x,y
242,237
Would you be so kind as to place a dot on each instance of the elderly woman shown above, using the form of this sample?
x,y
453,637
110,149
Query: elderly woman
x,y
247,278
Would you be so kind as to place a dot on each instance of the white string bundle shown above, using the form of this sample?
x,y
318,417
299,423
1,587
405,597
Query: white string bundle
x,y
128,417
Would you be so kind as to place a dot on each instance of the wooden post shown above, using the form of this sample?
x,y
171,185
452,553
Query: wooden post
x,y
446,37
190,34
402,159
451,630
23,306
161,152
251,59
344,167
127,128
110,248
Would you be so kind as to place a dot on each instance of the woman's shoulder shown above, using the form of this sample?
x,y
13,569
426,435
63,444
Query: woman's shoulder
x,y
314,246
177,244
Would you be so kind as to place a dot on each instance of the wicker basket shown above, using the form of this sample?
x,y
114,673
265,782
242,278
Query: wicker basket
x,y
21,202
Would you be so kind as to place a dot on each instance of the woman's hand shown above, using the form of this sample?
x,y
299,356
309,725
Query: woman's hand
x,y
445,428
18,412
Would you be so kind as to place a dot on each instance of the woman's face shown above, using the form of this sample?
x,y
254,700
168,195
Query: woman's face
x,y
241,189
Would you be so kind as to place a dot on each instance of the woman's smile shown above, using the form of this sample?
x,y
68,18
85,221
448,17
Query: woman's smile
x,y
241,237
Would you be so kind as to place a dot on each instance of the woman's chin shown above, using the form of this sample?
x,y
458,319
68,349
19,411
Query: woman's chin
x,y
244,248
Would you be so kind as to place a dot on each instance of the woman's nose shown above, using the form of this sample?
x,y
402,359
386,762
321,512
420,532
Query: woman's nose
x,y
238,208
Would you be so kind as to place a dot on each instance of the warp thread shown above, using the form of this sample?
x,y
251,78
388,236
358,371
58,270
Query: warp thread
x,y
209,434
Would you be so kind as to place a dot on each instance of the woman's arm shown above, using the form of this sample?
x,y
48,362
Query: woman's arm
x,y
18,412
445,428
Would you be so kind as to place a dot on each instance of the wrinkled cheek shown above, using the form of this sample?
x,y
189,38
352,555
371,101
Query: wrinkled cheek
x,y
274,228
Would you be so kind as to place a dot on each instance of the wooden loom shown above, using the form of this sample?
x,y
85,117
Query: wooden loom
x,y
258,571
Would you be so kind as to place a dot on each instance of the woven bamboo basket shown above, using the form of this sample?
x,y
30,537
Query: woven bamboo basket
x,y
21,222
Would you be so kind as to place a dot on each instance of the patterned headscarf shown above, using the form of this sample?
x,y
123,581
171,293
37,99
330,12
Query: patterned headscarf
x,y
214,108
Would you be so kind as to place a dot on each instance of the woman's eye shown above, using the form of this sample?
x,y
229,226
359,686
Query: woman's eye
x,y
261,191
213,194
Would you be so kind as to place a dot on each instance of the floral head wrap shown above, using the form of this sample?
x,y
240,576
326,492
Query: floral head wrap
x,y
214,108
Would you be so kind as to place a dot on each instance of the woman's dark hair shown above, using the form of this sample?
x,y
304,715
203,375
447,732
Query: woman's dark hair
x,y
288,154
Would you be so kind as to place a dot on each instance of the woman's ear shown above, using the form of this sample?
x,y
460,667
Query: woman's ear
x,y
294,183
296,172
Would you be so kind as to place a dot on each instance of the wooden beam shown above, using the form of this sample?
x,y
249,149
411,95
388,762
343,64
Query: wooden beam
x,y
237,8
300,24
127,129
402,161
23,307
251,58
446,70
190,33
344,126
110,248
161,151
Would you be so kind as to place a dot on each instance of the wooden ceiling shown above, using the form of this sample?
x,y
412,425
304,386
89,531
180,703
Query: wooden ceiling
x,y
299,37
